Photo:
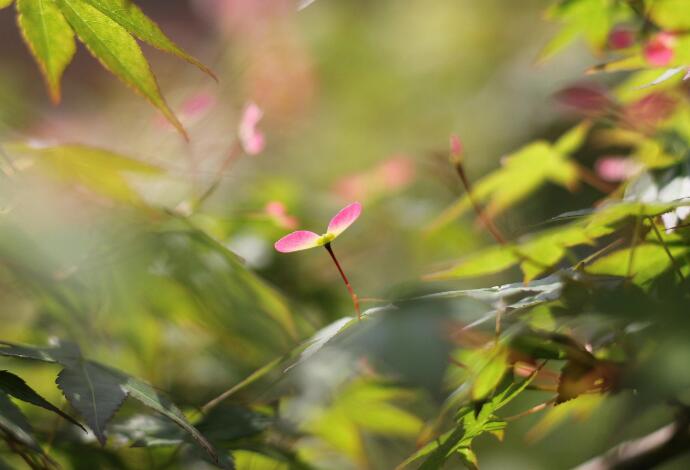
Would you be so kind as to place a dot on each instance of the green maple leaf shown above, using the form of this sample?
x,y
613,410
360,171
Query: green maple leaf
x,y
109,29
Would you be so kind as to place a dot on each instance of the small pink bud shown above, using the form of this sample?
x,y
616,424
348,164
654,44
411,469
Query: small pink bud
x,y
587,99
251,138
197,105
621,37
659,50
456,147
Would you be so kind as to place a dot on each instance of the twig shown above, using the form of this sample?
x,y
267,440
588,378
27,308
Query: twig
x,y
649,451
591,178
633,244
668,252
485,219
534,409
233,154
257,374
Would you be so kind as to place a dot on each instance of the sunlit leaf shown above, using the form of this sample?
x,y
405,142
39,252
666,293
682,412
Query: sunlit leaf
x,y
535,254
49,37
522,173
119,52
130,17
490,374
102,171
573,139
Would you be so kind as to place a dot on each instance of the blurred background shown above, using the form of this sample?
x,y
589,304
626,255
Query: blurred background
x,y
358,101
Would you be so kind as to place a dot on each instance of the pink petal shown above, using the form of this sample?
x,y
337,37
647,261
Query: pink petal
x,y
587,98
275,208
251,138
296,241
659,50
288,221
621,38
344,218
353,187
395,173
197,105
615,168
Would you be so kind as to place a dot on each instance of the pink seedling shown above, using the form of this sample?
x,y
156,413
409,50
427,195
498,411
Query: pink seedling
x,y
304,239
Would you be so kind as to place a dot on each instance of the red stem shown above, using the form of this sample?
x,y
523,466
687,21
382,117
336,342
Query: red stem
x,y
355,300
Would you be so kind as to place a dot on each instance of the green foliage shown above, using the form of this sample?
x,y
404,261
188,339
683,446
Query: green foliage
x,y
107,28
522,173
14,385
97,392
596,318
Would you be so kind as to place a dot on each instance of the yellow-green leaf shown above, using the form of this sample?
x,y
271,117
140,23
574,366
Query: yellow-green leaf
x,y
49,37
489,261
130,17
490,375
5,3
101,171
119,52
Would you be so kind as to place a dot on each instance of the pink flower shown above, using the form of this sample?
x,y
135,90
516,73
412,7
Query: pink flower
x,y
615,168
621,37
251,138
659,50
304,239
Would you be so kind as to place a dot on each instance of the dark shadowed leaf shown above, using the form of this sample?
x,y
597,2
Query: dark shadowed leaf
x,y
13,422
16,387
94,392
144,393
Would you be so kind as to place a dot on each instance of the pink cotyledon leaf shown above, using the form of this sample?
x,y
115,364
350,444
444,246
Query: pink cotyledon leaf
x,y
297,241
344,219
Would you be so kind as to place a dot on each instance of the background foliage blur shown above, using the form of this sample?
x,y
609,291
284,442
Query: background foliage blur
x,y
135,264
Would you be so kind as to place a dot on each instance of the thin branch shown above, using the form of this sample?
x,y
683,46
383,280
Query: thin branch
x,y
649,451
592,179
668,252
233,154
257,374
485,219
633,245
